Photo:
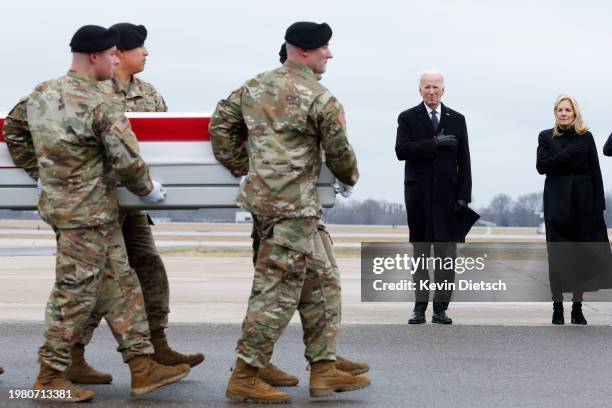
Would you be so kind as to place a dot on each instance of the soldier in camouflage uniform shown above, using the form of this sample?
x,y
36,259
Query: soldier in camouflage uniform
x,y
83,146
272,374
290,120
131,94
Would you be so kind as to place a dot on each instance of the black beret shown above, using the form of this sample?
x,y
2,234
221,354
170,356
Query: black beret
x,y
130,35
283,53
93,38
308,35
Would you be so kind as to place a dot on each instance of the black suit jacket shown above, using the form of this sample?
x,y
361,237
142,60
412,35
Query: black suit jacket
x,y
433,178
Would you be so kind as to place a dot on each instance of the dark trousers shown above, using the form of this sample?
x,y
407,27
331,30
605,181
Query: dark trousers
x,y
441,297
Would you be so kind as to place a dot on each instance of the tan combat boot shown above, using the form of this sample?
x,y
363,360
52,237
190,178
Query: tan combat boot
x,y
277,377
351,367
52,386
245,385
166,356
82,373
325,379
147,375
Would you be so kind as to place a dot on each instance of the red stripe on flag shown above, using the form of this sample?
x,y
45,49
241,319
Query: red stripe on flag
x,y
186,129
171,129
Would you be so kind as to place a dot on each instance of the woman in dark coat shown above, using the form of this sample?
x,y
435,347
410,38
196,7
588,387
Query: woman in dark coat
x,y
577,240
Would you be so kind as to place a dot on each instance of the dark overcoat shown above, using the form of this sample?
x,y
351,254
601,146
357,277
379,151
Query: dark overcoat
x,y
433,178
607,150
578,249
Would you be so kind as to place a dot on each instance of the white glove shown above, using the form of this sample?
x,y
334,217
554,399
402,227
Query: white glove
x,y
156,195
348,191
344,189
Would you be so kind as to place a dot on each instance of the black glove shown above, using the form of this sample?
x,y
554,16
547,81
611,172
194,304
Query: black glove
x,y
460,205
445,141
578,149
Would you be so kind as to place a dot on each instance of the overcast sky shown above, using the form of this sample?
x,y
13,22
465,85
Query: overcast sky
x,y
504,64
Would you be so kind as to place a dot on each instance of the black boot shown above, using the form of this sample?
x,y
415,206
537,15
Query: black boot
x,y
418,317
557,317
418,314
577,316
441,317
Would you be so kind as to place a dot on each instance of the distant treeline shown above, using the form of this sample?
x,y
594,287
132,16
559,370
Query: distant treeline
x,y
202,215
503,211
524,211
368,212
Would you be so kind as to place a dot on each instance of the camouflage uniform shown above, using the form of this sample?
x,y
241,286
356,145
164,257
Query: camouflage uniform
x,y
139,96
290,120
84,146
19,139
330,278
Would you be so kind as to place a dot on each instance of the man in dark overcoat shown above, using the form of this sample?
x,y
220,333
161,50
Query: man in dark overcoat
x,y
432,139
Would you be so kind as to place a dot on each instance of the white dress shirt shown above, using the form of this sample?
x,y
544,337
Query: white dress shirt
x,y
438,111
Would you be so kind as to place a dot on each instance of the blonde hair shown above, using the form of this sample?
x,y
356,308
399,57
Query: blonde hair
x,y
577,124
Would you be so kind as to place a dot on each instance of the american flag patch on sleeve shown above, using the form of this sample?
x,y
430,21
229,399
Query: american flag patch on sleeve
x,y
122,124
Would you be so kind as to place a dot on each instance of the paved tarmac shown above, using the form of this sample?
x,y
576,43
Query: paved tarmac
x,y
412,366
494,355
215,289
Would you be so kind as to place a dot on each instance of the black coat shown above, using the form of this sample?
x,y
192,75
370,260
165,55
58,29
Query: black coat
x,y
573,190
573,211
607,150
433,178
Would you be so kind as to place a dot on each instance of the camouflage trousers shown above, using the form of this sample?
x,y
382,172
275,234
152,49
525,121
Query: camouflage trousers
x,y
93,273
291,271
331,282
145,260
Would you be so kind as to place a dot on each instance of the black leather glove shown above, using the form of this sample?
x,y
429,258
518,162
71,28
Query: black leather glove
x,y
445,141
460,205
578,149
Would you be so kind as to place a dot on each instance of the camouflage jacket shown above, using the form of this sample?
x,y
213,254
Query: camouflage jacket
x,y
81,143
19,139
137,96
290,119
140,96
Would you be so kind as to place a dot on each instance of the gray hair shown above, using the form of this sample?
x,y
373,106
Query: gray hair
x,y
431,72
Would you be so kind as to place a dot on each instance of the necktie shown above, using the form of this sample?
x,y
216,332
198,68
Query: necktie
x,y
434,120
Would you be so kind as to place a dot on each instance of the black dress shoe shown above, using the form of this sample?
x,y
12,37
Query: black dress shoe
x,y
418,317
441,318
